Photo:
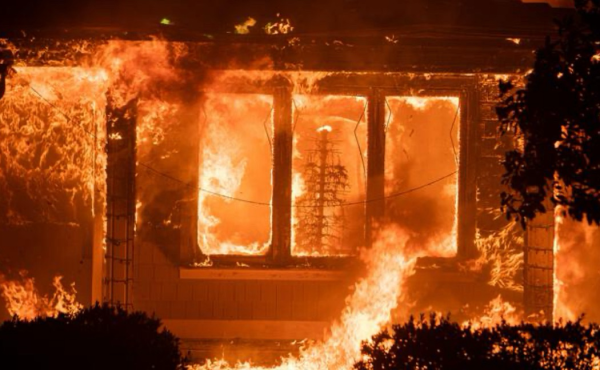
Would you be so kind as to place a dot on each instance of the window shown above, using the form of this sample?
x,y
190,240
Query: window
x,y
235,166
296,174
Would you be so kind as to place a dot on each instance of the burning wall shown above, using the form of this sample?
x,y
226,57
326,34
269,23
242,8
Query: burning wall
x,y
51,172
198,133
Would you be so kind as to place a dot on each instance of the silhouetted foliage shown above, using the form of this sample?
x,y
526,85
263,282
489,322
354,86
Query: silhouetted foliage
x,y
556,118
438,343
98,337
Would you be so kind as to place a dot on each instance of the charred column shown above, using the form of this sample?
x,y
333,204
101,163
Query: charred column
x,y
467,171
375,163
281,222
538,269
120,216
188,247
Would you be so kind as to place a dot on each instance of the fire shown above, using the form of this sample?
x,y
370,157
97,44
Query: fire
x,y
495,312
51,123
325,128
502,252
343,119
244,28
576,268
422,144
24,300
367,309
281,27
234,167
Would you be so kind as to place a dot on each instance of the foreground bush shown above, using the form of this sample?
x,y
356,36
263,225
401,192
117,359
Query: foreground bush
x,y
438,343
99,337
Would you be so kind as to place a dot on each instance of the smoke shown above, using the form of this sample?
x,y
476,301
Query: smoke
x,y
421,146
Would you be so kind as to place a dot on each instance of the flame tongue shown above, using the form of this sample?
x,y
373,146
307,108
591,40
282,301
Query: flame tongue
x,y
367,310
24,300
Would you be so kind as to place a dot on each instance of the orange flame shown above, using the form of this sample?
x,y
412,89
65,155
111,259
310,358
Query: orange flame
x,y
389,263
24,300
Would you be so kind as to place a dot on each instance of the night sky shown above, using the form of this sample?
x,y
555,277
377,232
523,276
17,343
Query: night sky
x,y
219,16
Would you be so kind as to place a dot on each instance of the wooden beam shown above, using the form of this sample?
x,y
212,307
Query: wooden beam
x,y
375,207
281,224
247,329
212,273
467,173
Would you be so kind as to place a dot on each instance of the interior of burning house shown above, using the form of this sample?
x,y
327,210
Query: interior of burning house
x,y
260,183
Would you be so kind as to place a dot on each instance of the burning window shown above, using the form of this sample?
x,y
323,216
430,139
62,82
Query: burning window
x,y
308,134
329,175
235,174
422,147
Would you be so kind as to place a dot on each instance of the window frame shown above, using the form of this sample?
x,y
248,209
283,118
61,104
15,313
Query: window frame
x,y
375,87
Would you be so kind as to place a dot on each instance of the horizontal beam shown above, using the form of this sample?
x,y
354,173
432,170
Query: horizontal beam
x,y
211,273
246,329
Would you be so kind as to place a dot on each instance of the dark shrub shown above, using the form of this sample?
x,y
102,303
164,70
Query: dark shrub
x,y
99,337
438,343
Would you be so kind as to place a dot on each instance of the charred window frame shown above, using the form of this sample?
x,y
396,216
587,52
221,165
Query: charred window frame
x,y
375,87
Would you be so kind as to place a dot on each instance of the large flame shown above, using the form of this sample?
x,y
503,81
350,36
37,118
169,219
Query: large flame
x,y
51,127
24,300
235,164
367,309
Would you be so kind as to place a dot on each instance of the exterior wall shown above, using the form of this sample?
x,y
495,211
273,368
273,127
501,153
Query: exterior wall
x,y
264,308
159,289
489,166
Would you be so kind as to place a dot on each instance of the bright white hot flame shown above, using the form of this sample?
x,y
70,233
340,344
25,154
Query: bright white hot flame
x,y
325,128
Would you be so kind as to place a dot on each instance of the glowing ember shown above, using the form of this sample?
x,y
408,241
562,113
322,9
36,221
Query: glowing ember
x,y
324,128
244,28
496,312
281,27
502,252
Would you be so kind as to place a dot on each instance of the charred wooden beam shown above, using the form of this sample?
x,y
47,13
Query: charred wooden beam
x,y
189,251
281,224
467,173
375,207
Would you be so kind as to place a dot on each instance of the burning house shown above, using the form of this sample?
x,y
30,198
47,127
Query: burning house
x,y
235,183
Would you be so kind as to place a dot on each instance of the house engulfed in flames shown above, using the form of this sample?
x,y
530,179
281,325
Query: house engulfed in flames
x,y
228,183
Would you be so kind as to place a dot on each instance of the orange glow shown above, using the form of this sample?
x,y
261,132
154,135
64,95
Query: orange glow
x,y
24,300
422,144
502,252
235,162
342,118
51,127
576,272
495,312
367,309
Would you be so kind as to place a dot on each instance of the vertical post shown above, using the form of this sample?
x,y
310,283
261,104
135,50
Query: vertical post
x,y
188,248
322,146
467,174
121,207
281,222
375,207
98,230
538,269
